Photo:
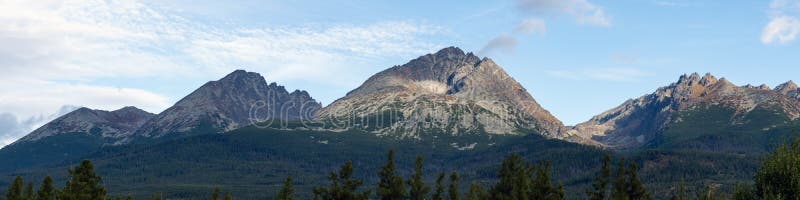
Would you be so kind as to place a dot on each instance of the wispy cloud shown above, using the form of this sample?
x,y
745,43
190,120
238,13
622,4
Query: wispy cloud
x,y
53,51
784,25
531,26
601,74
506,43
12,127
583,11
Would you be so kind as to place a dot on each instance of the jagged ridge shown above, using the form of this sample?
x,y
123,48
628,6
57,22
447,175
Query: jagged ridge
x,y
450,92
637,121
239,99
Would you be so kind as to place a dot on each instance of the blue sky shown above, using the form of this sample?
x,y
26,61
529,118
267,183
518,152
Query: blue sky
x,y
578,58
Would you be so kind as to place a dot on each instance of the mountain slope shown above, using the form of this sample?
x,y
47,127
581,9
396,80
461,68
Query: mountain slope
x,y
239,99
639,121
111,125
71,136
789,89
448,92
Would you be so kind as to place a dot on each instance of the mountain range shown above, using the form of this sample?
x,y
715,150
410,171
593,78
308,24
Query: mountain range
x,y
460,109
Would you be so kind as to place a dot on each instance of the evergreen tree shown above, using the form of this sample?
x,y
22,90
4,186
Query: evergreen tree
x,y
706,194
343,186
228,196
742,192
636,190
514,180
15,190
46,191
452,191
418,188
287,192
779,173
680,194
438,194
601,182
28,195
215,194
83,184
390,186
542,187
619,189
476,192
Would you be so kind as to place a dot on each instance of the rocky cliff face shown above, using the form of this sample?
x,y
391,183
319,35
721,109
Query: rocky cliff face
x,y
112,126
239,99
637,121
789,89
449,92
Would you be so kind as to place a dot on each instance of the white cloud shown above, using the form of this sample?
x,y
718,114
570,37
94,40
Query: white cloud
x,y
26,98
54,52
601,74
784,25
12,128
583,11
531,26
781,30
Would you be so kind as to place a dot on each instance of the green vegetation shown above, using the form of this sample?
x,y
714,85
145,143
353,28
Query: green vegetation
x,y
343,186
287,192
258,161
84,184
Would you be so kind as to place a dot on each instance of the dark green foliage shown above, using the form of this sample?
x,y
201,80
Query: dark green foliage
x,y
636,189
15,190
83,184
514,180
390,185
708,193
438,194
156,196
28,195
476,192
343,186
627,185
779,173
256,161
542,187
680,193
743,192
452,191
47,191
47,151
215,194
228,196
418,189
601,181
287,192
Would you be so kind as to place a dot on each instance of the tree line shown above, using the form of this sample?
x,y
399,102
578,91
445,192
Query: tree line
x,y
778,178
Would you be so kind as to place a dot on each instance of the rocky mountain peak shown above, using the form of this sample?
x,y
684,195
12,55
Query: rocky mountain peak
x,y
459,90
239,99
786,88
130,110
112,125
708,79
239,76
637,121
689,79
